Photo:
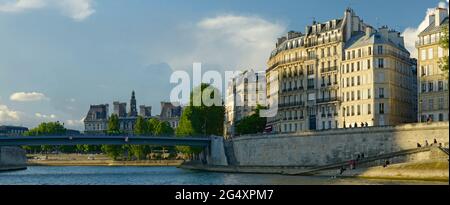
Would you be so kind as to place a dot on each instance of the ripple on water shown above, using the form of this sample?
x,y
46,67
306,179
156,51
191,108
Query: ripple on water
x,y
96,175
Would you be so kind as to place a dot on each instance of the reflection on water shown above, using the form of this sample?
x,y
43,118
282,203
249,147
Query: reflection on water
x,y
86,175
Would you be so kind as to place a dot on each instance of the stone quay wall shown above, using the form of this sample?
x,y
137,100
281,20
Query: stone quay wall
x,y
12,158
317,148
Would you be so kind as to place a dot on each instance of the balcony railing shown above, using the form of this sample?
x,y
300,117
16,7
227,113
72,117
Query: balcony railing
x,y
383,52
428,41
328,69
326,100
291,104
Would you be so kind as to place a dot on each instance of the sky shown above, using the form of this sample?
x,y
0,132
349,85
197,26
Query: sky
x,y
57,57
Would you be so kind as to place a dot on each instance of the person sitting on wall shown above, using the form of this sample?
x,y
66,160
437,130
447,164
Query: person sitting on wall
x,y
426,143
350,126
356,124
435,141
367,124
362,124
419,145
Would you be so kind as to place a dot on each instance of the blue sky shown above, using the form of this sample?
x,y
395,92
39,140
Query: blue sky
x,y
59,56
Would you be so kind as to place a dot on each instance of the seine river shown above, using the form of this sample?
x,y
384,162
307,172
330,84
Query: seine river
x,y
86,175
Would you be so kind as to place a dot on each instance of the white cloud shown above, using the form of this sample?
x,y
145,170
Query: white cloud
x,y
39,115
78,10
410,34
75,123
7,115
27,97
233,41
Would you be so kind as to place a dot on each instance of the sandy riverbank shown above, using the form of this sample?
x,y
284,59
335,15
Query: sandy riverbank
x,y
92,160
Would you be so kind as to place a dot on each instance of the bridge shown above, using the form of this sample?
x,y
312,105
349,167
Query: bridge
x,y
103,140
213,150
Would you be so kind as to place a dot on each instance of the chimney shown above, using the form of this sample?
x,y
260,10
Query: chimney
x,y
369,31
439,15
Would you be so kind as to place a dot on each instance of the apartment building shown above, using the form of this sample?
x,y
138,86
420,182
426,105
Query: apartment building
x,y
313,77
433,84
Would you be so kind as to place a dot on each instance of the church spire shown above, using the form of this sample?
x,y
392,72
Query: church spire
x,y
133,109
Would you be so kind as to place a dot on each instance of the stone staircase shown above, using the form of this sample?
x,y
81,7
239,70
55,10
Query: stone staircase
x,y
367,160
229,153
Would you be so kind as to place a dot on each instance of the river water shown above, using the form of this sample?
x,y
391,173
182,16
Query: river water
x,y
95,175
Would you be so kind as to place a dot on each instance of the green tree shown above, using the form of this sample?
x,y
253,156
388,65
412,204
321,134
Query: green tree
x,y
141,127
46,128
251,124
113,151
164,129
201,119
444,44
151,126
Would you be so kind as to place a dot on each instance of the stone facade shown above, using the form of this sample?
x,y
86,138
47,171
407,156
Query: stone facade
x,y
244,93
96,121
317,71
433,85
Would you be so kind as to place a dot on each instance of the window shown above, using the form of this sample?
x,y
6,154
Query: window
x,y
370,50
348,96
430,104
441,103
348,68
369,109
353,54
358,66
380,63
353,67
380,49
310,83
353,95
440,86
423,54
358,80
440,52
353,81
430,87
441,117
368,64
424,87
430,53
369,94
353,110
423,71
359,95
359,53
381,108
381,92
